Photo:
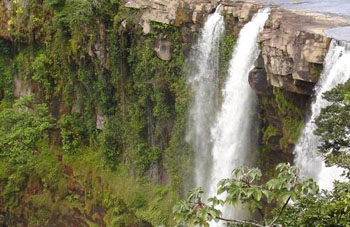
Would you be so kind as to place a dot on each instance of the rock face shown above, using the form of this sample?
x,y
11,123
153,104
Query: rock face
x,y
191,12
162,11
163,49
258,80
294,47
22,88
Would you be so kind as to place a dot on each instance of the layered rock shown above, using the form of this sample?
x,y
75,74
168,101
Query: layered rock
x,y
294,46
191,12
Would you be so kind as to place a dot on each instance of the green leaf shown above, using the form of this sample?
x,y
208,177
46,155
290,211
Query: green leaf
x,y
285,197
257,195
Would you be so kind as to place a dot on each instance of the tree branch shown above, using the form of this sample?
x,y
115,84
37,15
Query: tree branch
x,y
262,215
239,221
280,213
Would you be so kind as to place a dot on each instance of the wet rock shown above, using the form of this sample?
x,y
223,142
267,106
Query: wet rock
x,y
258,81
258,78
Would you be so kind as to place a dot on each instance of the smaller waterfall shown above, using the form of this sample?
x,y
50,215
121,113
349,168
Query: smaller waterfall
x,y
203,79
337,71
231,131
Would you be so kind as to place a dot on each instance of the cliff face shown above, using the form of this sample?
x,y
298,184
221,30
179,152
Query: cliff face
x,y
293,43
191,13
293,48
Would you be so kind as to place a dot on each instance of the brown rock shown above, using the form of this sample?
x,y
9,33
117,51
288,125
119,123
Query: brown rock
x,y
163,49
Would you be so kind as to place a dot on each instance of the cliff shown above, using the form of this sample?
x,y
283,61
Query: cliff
x,y
293,43
111,73
293,48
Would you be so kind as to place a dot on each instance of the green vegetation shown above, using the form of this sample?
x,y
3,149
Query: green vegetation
x,y
334,126
89,63
36,175
270,132
6,72
289,123
244,188
227,44
292,119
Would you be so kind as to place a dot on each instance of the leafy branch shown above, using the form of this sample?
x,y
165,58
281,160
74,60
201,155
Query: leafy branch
x,y
244,188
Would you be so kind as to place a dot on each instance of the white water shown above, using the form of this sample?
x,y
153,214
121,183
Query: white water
x,y
233,126
337,71
203,79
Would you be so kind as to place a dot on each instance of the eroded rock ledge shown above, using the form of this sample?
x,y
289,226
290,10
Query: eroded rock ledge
x,y
293,43
294,46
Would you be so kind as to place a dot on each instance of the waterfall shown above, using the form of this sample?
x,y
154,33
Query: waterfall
x,y
232,128
203,80
336,71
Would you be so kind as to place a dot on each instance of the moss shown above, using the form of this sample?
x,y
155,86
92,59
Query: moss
x,y
316,69
270,132
292,119
291,131
227,44
281,124
119,193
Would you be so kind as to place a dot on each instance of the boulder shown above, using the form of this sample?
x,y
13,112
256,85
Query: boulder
x,y
258,78
163,49
100,121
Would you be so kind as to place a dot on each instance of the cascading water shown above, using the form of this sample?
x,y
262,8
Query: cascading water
x,y
337,71
203,79
231,131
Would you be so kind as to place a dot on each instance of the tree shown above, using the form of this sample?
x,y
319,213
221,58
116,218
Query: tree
x,y
244,187
22,127
325,209
23,136
333,127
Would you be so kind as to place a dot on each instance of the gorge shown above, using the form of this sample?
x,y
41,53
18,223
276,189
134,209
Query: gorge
x,y
112,110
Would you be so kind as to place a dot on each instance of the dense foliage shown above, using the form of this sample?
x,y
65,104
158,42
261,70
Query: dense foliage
x,y
103,100
244,188
334,127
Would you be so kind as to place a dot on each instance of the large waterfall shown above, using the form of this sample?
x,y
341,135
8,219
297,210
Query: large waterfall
x,y
231,131
203,79
337,71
